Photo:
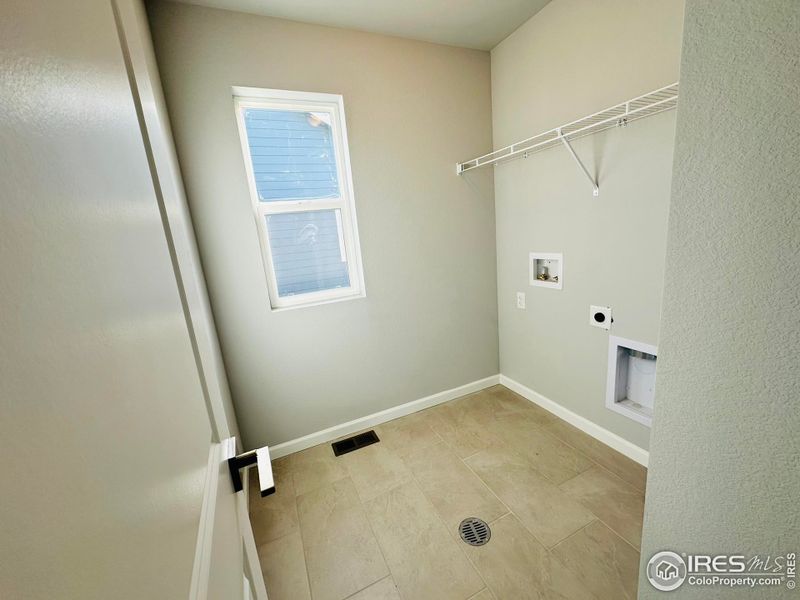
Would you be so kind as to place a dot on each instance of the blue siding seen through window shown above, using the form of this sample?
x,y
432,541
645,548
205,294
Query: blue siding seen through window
x,y
307,251
293,154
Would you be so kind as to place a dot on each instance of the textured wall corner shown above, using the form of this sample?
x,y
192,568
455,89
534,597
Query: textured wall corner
x,y
725,447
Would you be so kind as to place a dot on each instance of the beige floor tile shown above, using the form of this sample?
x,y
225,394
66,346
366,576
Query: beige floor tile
x,y
276,515
604,562
407,434
385,589
374,470
315,467
284,568
516,566
479,405
454,490
281,470
511,402
379,523
342,554
460,424
617,463
500,403
424,559
616,503
548,513
552,458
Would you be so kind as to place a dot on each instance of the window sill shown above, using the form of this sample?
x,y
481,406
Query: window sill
x,y
357,296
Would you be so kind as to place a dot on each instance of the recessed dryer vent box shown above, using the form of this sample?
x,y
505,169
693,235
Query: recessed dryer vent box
x,y
547,269
630,388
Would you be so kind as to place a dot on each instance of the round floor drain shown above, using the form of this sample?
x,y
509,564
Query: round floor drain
x,y
474,531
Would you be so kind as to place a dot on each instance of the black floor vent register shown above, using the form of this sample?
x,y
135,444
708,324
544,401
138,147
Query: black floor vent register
x,y
354,443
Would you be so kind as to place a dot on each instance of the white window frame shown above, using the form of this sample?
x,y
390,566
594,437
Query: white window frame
x,y
333,104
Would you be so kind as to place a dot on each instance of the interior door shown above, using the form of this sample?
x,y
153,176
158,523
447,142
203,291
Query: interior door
x,y
108,444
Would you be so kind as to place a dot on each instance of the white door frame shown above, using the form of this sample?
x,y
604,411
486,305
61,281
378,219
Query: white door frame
x,y
137,47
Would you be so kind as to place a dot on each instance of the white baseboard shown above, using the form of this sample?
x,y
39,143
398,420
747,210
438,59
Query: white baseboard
x,y
632,451
337,431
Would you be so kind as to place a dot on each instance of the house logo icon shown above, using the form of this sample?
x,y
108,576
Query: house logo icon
x,y
666,571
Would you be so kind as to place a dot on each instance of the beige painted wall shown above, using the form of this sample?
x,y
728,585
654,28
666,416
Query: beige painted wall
x,y
574,58
724,454
429,321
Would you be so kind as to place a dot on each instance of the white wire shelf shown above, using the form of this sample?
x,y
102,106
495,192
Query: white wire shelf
x,y
619,115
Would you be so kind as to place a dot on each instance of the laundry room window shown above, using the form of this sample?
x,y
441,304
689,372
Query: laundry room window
x,y
298,170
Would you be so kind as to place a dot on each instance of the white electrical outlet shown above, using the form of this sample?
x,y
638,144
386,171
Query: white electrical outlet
x,y
600,316
520,299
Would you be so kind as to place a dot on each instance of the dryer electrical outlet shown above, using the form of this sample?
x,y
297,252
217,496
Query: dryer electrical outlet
x,y
600,316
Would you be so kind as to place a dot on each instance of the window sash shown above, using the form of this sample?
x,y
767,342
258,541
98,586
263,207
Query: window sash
x,y
300,107
279,100
346,246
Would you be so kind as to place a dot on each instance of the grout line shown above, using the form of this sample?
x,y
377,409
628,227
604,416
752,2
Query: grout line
x,y
624,482
576,532
302,541
615,532
509,448
486,485
558,485
360,504
597,520
504,515
548,435
618,534
603,444
543,429
552,553
375,536
474,567
471,455
614,475
376,582
369,585
594,460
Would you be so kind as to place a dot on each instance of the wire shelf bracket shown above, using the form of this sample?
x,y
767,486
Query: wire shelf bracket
x,y
595,187
619,115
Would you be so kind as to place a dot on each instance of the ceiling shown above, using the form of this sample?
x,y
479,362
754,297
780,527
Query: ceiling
x,y
480,24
